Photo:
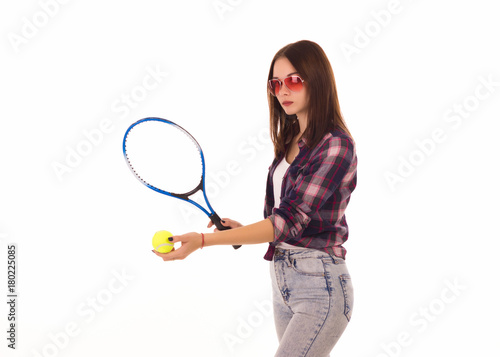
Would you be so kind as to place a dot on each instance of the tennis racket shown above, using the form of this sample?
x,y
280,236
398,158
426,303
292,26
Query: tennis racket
x,y
167,159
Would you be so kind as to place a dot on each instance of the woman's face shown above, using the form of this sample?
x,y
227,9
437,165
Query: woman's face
x,y
291,102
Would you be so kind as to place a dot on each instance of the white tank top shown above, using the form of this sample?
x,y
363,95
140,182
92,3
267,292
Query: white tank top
x,y
278,175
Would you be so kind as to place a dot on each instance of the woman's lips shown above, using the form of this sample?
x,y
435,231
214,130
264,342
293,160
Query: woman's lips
x,y
286,103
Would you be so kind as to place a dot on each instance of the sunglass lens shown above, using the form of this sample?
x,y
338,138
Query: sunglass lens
x,y
294,83
274,86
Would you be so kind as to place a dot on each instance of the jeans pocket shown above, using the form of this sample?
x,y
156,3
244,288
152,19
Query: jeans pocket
x,y
308,266
348,291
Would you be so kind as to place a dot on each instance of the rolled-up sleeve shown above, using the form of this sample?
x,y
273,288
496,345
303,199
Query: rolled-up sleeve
x,y
309,185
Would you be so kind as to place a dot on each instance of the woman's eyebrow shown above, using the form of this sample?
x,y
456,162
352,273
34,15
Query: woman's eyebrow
x,y
288,75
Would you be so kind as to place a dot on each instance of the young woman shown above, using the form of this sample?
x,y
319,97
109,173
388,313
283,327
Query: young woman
x,y
308,188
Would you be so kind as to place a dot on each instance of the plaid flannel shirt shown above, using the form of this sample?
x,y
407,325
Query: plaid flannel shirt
x,y
314,195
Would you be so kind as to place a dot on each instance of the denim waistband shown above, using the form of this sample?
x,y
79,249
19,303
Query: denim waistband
x,y
286,254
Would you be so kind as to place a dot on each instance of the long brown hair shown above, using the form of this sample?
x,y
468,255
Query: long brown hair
x,y
324,113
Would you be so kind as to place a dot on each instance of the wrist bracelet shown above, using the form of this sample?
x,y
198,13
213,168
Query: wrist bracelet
x,y
202,240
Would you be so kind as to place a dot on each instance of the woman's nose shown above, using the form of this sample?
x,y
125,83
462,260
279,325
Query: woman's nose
x,y
284,90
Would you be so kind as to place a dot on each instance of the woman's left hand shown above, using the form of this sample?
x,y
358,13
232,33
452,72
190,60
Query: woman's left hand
x,y
190,243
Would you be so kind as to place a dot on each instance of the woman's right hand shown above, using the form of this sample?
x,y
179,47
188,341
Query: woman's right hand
x,y
226,222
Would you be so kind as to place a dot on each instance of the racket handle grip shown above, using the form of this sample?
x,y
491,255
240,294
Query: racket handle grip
x,y
217,221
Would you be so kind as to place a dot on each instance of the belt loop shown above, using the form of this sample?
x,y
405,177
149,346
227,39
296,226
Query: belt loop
x,y
334,261
289,260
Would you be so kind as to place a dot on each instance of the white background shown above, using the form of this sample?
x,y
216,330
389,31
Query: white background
x,y
67,66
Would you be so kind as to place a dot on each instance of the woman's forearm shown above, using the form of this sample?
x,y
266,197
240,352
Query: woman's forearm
x,y
260,232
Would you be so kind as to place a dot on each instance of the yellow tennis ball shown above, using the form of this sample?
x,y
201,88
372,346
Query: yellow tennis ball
x,y
161,243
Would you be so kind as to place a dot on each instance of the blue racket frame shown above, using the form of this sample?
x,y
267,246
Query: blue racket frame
x,y
181,196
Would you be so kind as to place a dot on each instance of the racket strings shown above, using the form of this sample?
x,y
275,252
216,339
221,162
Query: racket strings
x,y
164,156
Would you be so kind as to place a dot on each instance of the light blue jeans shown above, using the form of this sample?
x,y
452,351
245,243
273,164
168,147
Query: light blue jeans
x,y
312,301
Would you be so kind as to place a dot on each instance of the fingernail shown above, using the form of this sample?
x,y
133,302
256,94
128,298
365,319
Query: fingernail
x,y
171,239
223,221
